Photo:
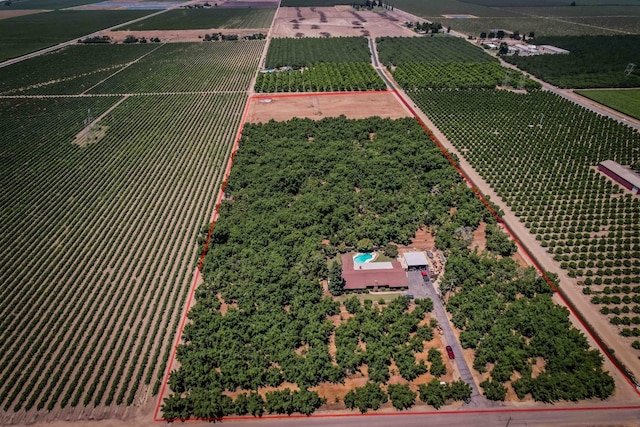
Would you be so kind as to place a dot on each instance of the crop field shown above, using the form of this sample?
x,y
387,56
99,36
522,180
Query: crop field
x,y
444,62
437,8
189,67
182,19
589,224
593,62
436,75
626,101
312,3
28,33
320,65
69,70
322,78
45,4
298,53
95,300
395,51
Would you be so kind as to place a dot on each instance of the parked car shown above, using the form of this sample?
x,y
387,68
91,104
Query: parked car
x,y
410,296
450,352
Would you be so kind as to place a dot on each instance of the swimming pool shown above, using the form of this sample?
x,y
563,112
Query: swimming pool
x,y
362,258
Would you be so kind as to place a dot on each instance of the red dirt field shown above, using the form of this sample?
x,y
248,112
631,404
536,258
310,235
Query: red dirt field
x,y
356,105
180,36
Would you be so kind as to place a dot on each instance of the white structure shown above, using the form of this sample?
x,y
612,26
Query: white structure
x,y
546,48
416,261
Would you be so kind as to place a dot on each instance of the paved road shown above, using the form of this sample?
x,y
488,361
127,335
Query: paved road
x,y
553,417
420,289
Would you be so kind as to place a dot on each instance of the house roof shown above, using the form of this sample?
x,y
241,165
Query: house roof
x,y
622,172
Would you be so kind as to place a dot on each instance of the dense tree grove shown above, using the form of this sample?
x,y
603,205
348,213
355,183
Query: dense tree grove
x,y
260,317
499,242
593,61
507,315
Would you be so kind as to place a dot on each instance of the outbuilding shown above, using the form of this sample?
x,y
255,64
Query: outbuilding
x,y
623,176
416,261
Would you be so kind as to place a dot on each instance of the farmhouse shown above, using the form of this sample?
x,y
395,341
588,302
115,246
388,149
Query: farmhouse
x,y
621,175
360,276
416,261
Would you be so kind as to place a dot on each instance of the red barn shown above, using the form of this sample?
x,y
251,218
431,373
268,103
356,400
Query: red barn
x,y
621,175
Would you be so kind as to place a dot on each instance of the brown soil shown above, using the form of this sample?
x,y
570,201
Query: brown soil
x,y
340,22
423,240
479,238
6,14
358,106
181,36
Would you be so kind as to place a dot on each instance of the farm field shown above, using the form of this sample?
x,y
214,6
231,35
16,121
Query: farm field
x,y
320,65
545,19
28,33
69,70
117,240
119,206
189,67
625,101
45,4
593,62
221,18
298,53
444,62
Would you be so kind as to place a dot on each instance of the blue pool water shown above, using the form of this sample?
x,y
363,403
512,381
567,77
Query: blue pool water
x,y
362,258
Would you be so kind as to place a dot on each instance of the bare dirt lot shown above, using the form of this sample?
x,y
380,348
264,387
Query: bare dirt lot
x,y
318,106
6,14
338,21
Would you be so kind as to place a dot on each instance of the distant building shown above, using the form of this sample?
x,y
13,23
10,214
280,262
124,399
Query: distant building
x,y
621,175
546,48
416,261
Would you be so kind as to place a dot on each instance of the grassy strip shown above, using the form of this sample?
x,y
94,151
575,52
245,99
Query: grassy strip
x,y
625,101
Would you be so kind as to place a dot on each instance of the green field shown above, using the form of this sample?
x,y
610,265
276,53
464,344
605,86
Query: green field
x,y
332,77
438,8
444,62
593,62
625,101
25,34
96,298
70,70
45,4
394,51
303,52
320,65
197,19
189,67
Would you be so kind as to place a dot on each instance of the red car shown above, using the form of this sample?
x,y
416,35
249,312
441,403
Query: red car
x,y
450,352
